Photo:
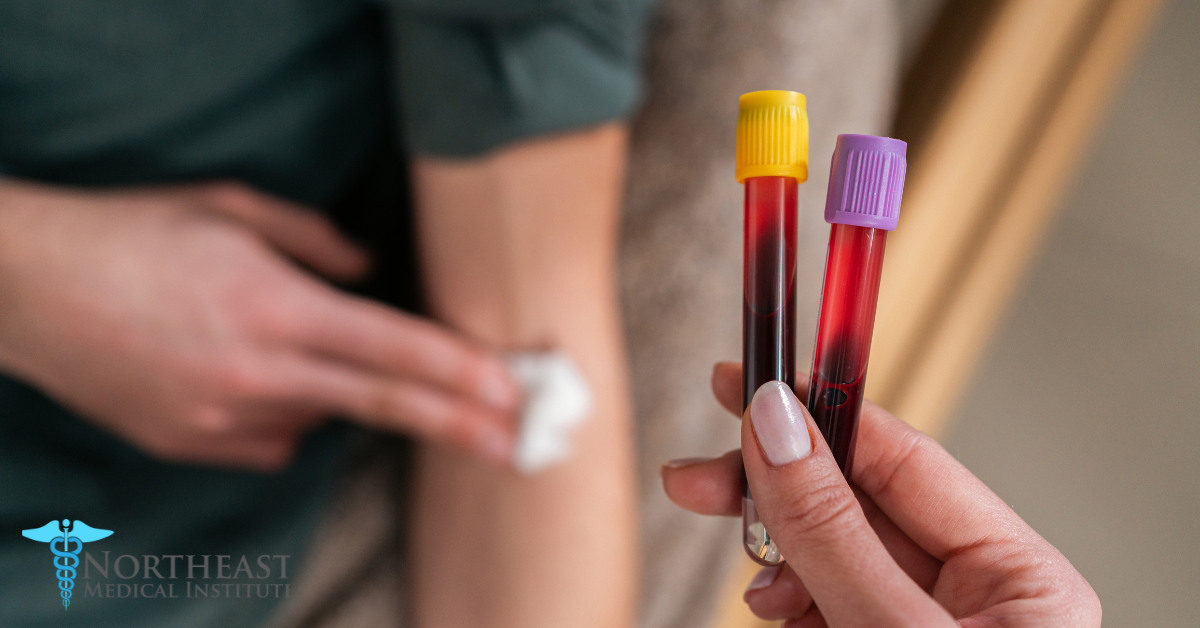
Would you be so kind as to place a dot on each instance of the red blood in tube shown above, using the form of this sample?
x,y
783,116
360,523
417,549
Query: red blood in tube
x,y
769,299
843,344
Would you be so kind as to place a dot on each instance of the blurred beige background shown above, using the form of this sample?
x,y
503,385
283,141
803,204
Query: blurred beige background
x,y
1083,413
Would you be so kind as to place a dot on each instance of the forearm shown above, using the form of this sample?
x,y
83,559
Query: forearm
x,y
519,251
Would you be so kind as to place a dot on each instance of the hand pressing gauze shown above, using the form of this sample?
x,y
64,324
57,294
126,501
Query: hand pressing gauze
x,y
557,400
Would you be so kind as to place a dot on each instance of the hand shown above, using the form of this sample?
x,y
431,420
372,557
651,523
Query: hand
x,y
171,317
920,541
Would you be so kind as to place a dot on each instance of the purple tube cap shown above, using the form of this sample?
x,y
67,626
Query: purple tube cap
x,y
866,181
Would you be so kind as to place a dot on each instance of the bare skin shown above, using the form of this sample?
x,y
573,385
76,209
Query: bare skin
x,y
918,541
519,250
177,318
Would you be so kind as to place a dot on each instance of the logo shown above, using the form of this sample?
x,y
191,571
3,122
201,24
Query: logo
x,y
65,560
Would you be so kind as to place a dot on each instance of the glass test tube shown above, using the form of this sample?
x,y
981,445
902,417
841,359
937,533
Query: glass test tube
x,y
768,315
839,368
772,160
865,187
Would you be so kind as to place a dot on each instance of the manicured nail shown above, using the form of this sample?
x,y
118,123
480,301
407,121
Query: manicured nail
x,y
778,421
764,578
679,463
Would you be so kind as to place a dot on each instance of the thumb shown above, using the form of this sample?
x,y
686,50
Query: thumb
x,y
812,514
299,232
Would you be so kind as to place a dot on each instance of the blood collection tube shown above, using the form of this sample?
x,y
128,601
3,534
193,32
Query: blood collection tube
x,y
772,159
866,182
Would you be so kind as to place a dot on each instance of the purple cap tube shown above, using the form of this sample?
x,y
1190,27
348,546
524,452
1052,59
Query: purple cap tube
x,y
866,181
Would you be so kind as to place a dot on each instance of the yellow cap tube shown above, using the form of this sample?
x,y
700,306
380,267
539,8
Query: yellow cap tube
x,y
772,135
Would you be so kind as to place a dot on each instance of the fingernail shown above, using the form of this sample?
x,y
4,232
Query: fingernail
x,y
494,444
764,578
778,421
679,463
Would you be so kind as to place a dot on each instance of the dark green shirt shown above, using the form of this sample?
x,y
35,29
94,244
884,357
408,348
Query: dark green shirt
x,y
306,99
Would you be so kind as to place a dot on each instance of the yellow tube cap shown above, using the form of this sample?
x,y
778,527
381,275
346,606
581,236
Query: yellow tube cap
x,y
772,135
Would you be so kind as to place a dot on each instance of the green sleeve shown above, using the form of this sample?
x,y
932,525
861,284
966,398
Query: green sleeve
x,y
475,74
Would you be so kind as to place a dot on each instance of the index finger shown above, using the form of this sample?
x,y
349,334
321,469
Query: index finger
x,y
387,403
400,345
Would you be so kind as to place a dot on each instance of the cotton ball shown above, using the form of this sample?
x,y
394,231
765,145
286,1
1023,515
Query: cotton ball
x,y
557,401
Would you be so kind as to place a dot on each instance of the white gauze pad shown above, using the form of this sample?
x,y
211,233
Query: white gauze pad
x,y
557,400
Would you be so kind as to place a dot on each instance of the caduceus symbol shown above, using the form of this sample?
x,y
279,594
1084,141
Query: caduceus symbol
x,y
66,560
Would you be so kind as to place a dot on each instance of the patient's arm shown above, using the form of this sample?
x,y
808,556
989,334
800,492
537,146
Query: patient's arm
x,y
518,250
